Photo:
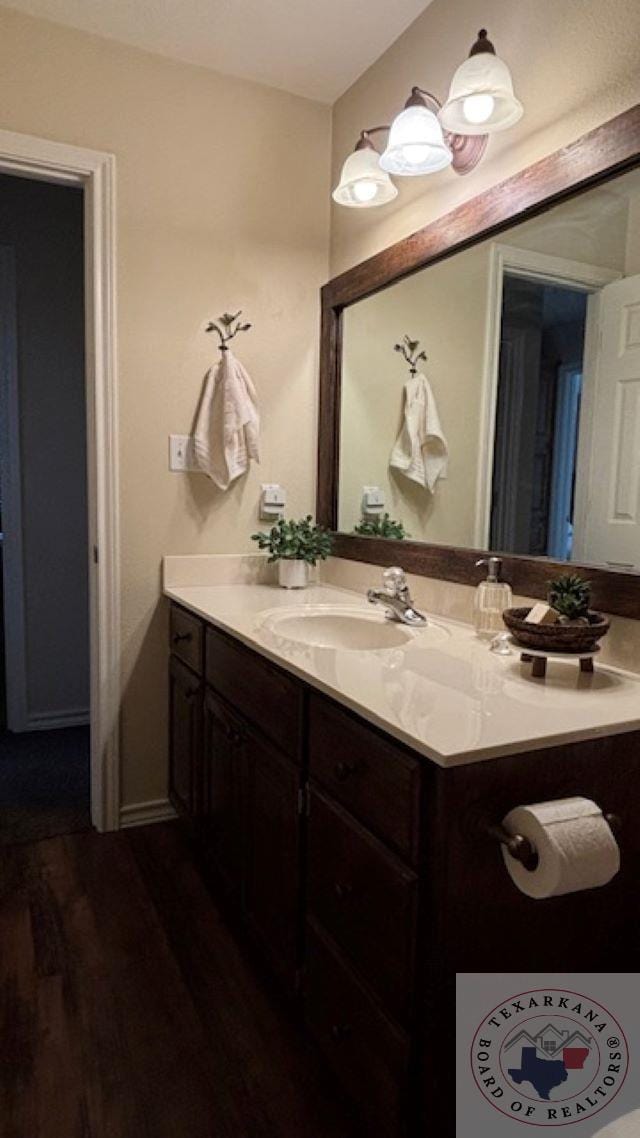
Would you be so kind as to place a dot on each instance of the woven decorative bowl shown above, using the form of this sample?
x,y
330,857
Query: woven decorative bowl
x,y
556,637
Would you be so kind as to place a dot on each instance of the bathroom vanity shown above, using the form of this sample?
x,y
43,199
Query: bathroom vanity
x,y
346,792
358,854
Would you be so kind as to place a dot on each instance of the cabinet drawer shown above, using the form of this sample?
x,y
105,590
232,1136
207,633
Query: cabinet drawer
x,y
366,899
369,1056
265,695
376,781
186,638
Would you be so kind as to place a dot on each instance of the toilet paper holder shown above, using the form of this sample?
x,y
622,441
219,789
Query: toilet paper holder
x,y
523,849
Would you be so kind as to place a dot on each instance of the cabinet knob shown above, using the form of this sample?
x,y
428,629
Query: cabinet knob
x,y
340,1031
342,892
343,770
179,636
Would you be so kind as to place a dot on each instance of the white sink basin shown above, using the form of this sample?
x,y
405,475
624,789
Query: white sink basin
x,y
340,627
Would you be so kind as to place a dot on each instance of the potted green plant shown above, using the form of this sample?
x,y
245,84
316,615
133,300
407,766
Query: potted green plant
x,y
577,628
569,595
295,545
381,527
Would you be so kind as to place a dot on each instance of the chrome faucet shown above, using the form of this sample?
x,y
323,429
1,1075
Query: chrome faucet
x,y
395,597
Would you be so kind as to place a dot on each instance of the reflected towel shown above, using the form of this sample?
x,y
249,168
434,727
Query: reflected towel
x,y
420,451
227,423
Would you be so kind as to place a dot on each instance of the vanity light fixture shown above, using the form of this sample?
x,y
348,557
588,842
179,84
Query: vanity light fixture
x,y
416,144
481,98
426,137
363,183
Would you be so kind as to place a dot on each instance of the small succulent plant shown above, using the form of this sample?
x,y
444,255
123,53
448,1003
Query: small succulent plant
x,y
381,527
570,595
295,541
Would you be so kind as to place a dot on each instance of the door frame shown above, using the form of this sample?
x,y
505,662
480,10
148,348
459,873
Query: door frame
x,y
94,171
563,475
532,266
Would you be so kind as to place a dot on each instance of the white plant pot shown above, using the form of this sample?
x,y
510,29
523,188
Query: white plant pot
x,y
293,574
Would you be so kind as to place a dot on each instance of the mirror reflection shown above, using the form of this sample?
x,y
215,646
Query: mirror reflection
x,y
492,400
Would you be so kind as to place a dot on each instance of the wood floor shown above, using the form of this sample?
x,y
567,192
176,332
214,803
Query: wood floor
x,y
44,784
128,1010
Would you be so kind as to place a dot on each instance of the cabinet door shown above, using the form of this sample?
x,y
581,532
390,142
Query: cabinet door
x,y
224,779
185,717
272,872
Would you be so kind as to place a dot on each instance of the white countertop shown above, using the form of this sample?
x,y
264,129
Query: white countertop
x,y
444,694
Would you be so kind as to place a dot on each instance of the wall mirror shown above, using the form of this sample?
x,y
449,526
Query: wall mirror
x,y
517,428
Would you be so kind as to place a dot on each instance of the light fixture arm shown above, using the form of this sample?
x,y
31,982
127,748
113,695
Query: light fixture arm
x,y
364,142
419,97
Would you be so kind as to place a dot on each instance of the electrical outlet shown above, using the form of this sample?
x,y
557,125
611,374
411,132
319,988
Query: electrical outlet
x,y
372,502
182,456
273,499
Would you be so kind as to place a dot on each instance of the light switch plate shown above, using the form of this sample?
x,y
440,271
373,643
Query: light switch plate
x,y
182,456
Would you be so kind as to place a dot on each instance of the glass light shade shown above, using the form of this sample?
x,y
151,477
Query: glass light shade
x,y
481,98
362,183
416,144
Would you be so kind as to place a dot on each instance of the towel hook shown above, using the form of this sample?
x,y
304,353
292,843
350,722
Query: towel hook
x,y
523,849
409,350
224,326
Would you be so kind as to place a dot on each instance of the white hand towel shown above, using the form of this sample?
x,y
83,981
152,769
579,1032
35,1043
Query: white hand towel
x,y
421,450
227,424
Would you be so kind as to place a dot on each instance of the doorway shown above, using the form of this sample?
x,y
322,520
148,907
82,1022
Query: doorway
x,y
44,736
540,371
94,172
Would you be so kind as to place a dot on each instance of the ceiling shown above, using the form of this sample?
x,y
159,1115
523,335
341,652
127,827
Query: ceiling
x,y
315,48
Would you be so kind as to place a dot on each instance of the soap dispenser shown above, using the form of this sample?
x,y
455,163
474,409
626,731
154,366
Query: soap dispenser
x,y
492,597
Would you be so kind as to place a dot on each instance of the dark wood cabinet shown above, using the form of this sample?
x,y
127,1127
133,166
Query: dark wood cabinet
x,y
185,733
368,1053
272,867
370,874
224,780
376,780
186,636
265,695
366,899
249,800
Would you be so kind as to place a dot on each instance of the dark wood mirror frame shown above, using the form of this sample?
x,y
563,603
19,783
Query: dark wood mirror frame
x,y
608,150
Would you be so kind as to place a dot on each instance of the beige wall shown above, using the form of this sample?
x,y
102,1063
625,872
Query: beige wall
x,y
574,62
445,307
222,203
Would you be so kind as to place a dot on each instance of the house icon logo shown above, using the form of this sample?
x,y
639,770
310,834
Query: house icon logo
x,y
549,1057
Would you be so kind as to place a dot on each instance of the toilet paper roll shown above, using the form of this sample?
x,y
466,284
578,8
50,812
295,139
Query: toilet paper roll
x,y
576,848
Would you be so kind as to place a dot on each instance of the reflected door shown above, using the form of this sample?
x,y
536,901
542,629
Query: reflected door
x,y
612,534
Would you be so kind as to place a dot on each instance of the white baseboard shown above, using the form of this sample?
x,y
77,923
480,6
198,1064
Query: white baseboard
x,y
49,720
143,813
